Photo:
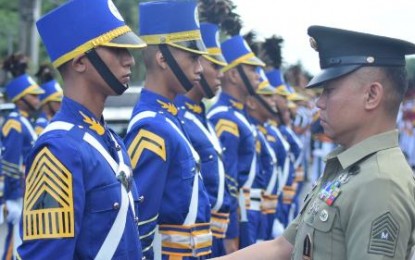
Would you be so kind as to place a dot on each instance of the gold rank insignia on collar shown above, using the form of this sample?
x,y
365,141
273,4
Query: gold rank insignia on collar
x,y
195,108
273,122
237,105
93,124
171,108
262,129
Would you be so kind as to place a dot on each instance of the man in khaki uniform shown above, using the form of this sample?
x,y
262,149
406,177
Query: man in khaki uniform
x,y
363,207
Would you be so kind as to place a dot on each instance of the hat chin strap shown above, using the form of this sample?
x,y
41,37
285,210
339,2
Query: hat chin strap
x,y
174,66
105,72
252,92
206,88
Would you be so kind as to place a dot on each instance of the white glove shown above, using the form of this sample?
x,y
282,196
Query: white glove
x,y
14,210
1,213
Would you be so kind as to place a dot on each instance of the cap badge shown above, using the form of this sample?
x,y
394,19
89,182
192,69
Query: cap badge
x,y
370,59
313,44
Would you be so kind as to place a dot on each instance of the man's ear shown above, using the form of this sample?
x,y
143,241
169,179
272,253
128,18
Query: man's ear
x,y
373,96
161,61
79,63
251,103
234,76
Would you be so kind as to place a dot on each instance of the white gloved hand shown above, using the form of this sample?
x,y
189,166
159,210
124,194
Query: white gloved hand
x,y
1,213
14,210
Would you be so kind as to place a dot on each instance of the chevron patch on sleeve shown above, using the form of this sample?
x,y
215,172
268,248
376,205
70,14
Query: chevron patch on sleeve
x,y
225,125
384,235
10,125
146,140
48,210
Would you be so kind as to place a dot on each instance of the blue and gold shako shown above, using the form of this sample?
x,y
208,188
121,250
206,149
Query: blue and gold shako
x,y
21,86
53,92
175,23
275,78
236,51
342,52
264,87
80,25
210,36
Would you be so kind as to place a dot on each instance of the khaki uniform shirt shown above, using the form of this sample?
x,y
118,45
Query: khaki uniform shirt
x,y
363,207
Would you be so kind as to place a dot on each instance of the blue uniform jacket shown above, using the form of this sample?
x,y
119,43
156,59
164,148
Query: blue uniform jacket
x,y
208,155
235,134
18,137
72,195
164,168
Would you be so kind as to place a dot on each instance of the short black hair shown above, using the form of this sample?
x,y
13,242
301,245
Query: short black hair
x,y
398,84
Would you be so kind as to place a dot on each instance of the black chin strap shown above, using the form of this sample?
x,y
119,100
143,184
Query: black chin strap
x,y
51,108
206,88
187,85
105,72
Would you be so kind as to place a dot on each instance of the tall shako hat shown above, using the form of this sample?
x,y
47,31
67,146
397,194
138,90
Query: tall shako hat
x,y
264,88
79,26
342,52
53,92
173,23
275,78
236,51
21,86
210,36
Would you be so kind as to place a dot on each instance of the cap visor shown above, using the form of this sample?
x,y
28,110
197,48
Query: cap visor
x,y
195,46
126,40
254,61
331,73
217,59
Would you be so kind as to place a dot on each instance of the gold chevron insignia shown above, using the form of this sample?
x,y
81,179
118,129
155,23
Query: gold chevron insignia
x,y
93,124
11,124
48,210
171,108
237,105
146,140
224,125
195,108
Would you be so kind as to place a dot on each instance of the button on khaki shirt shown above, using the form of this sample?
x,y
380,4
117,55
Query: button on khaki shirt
x,y
363,207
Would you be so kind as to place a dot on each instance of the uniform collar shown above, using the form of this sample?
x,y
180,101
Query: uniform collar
x,y
365,148
159,102
83,116
185,103
231,101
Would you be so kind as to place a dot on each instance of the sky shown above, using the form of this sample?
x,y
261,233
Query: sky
x,y
290,20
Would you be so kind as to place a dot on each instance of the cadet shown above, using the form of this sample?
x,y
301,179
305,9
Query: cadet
x,y
175,211
363,207
203,136
233,129
18,137
80,201
51,100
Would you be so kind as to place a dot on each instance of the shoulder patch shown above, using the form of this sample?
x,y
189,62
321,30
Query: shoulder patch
x,y
224,125
11,124
146,140
384,235
48,210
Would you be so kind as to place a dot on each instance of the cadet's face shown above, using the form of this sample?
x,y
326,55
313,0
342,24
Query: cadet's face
x,y
252,75
190,65
119,61
212,74
33,100
341,109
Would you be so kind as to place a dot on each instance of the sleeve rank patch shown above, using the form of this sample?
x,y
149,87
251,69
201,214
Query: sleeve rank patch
x,y
224,125
9,125
384,235
48,210
146,140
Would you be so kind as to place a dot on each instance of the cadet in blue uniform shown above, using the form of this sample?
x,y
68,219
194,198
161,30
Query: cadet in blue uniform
x,y
233,129
192,115
18,137
175,213
50,101
80,201
364,206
